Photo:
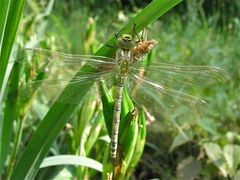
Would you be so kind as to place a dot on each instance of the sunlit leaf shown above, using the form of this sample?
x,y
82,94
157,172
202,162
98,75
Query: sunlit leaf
x,y
71,160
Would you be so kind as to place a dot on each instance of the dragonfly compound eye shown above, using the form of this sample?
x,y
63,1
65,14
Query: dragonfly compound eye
x,y
127,37
125,42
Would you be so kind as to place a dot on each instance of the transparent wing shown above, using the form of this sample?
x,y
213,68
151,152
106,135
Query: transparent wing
x,y
165,88
50,72
40,60
160,100
180,77
64,91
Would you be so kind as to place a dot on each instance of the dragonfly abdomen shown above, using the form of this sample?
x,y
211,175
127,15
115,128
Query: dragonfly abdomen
x,y
116,117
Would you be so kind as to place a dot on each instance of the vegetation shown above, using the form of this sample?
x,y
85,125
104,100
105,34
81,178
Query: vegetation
x,y
196,145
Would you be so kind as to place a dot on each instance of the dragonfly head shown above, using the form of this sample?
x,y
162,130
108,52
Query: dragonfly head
x,y
126,41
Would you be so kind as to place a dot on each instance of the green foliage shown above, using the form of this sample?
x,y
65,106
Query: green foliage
x,y
189,168
58,114
196,146
226,159
9,20
73,160
139,145
108,105
10,16
195,43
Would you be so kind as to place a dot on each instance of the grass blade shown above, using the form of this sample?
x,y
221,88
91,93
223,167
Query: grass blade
x,y
9,116
71,160
9,18
13,17
3,18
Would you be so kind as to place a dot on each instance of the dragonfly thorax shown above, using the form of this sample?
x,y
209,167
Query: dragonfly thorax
x,y
124,60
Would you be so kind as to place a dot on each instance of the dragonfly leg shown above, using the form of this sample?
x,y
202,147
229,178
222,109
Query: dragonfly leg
x,y
134,32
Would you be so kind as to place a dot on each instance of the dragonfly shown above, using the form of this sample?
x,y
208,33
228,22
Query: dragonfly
x,y
148,84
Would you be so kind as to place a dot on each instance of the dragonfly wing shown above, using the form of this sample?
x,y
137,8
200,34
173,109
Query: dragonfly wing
x,y
40,60
160,99
50,72
49,90
180,77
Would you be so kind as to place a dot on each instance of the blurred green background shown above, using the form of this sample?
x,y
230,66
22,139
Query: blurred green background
x,y
195,32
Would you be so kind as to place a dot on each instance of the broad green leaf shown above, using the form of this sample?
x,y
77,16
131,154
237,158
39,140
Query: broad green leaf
x,y
189,168
232,156
127,104
209,125
139,147
127,131
215,154
181,139
127,142
108,105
